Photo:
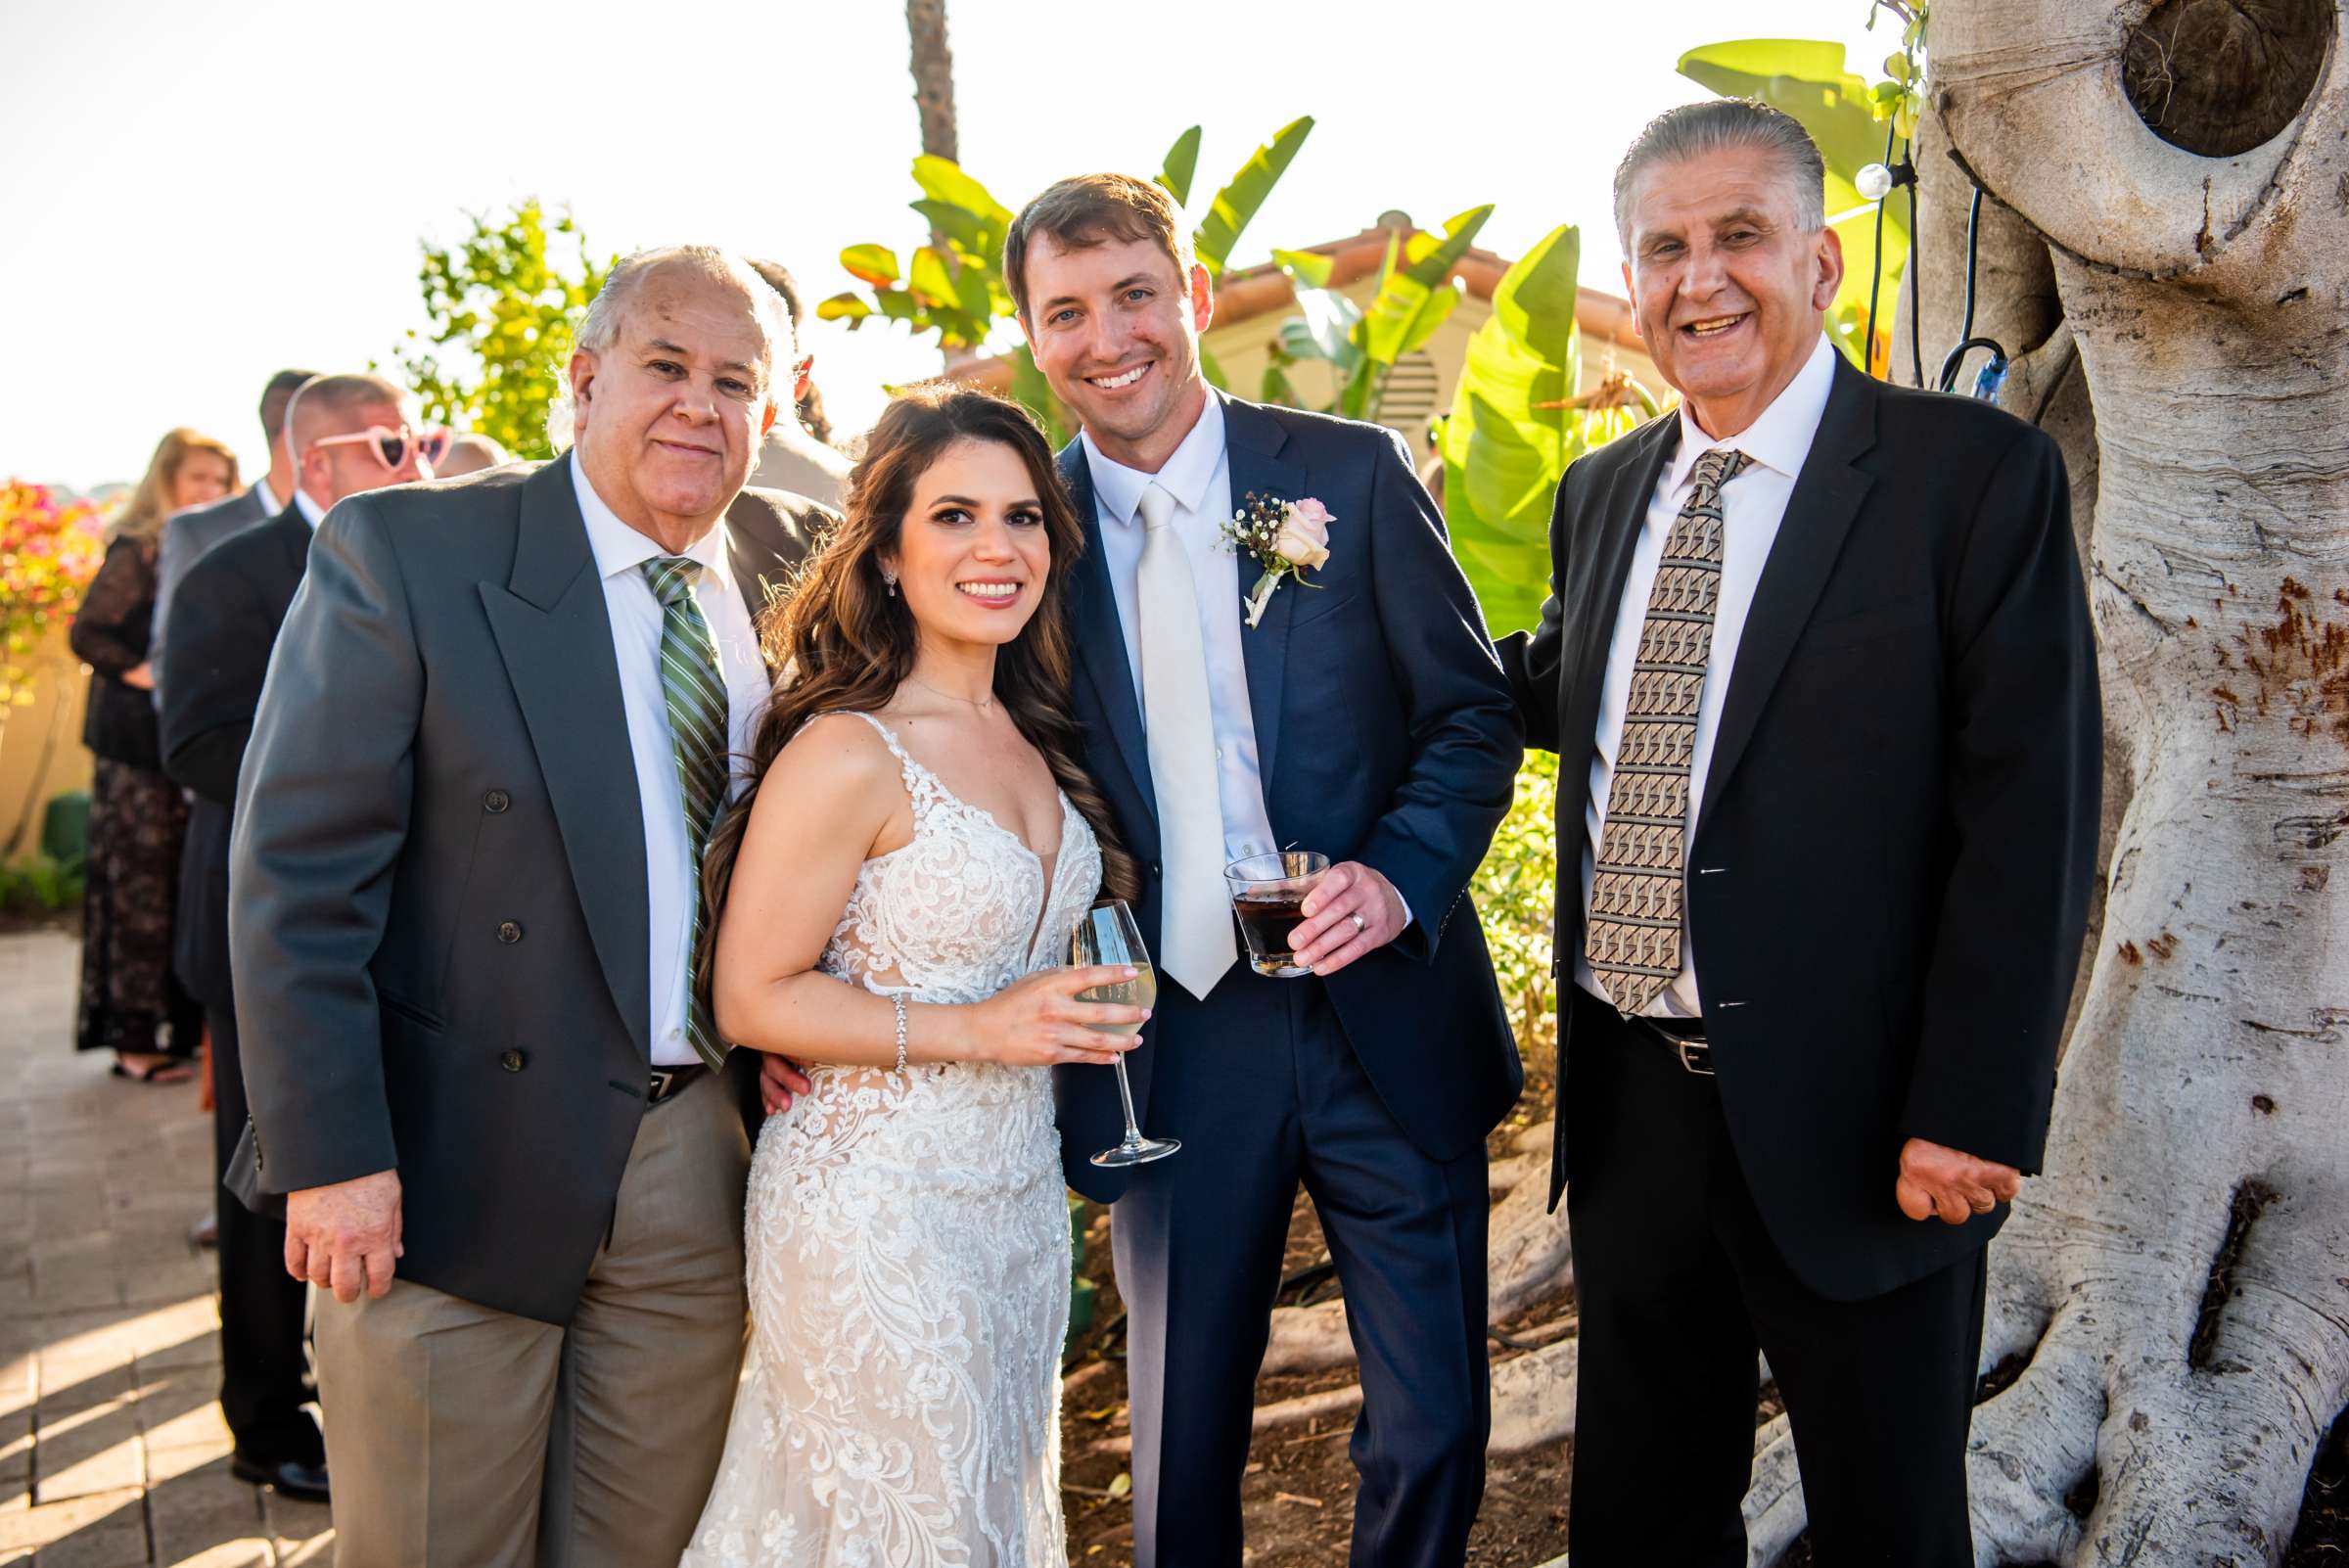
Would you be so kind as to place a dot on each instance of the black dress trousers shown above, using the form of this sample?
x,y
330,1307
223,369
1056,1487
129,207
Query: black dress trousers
x,y
264,1366
1680,1284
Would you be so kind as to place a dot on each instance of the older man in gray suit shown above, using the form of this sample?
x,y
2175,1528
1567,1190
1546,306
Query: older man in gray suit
x,y
511,1152
188,534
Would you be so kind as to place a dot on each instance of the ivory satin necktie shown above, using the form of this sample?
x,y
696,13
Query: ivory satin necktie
x,y
1195,941
696,696
1633,940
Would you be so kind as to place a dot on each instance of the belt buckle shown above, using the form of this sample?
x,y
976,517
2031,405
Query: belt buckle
x,y
1695,1056
661,1078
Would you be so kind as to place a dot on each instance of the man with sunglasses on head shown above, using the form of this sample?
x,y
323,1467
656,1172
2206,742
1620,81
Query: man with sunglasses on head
x,y
345,434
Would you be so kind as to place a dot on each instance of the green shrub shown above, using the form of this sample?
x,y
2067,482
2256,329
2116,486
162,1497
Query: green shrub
x,y
1516,892
39,884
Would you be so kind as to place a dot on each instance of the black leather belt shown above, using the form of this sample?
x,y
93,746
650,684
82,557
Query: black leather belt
x,y
1685,1038
669,1081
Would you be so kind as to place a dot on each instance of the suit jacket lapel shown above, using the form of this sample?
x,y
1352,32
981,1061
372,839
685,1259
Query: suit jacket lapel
x,y
1623,515
1827,497
555,635
1100,638
1254,440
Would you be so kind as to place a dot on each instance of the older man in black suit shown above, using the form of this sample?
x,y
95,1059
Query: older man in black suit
x,y
1819,667
510,1160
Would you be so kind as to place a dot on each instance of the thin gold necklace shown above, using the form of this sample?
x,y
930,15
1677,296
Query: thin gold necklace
x,y
985,707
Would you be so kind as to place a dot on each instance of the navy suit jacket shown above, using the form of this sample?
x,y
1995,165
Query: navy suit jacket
x,y
1385,732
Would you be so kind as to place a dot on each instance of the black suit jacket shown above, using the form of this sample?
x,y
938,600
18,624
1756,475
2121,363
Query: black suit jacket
x,y
1384,734
440,927
1889,879
225,617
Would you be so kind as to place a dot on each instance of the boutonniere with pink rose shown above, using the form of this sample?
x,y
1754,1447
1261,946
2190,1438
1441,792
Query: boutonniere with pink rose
x,y
1287,539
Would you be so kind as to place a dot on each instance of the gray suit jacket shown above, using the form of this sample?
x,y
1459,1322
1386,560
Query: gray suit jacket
x,y
439,918
186,536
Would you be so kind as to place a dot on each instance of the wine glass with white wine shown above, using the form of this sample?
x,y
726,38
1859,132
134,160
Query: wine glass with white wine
x,y
1107,935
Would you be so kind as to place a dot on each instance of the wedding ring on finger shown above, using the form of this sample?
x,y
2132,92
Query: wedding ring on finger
x,y
1359,924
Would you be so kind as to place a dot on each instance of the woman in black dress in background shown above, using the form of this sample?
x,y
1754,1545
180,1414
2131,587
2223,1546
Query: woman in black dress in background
x,y
130,1002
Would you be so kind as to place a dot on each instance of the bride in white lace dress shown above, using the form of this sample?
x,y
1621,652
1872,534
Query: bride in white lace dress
x,y
892,905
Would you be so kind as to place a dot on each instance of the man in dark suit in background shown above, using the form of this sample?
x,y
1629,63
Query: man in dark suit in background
x,y
231,604
1364,717
466,881
1819,667
188,534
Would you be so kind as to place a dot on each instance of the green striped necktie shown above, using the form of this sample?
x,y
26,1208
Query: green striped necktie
x,y
696,695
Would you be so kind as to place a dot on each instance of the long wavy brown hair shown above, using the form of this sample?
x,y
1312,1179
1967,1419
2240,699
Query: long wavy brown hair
x,y
842,644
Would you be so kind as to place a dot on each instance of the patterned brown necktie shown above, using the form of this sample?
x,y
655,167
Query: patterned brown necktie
x,y
1633,937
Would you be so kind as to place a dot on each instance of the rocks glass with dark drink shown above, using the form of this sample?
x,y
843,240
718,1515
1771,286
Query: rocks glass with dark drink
x,y
1268,894
1107,935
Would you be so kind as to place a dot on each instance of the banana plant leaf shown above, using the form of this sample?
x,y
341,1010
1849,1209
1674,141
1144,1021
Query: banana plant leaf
x,y
1502,455
1806,77
1183,162
1240,200
1415,296
1306,269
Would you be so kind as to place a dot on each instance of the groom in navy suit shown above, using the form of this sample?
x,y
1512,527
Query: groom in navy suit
x,y
1364,714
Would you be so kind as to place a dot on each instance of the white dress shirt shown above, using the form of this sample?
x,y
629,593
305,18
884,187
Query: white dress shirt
x,y
311,512
1753,504
669,873
1199,476
261,492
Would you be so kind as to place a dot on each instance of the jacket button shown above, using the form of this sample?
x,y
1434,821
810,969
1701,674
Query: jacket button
x,y
509,930
513,1061
497,801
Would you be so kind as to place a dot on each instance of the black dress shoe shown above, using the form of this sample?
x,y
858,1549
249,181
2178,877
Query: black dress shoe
x,y
303,1483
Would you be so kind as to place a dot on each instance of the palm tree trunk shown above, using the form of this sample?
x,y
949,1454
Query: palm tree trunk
x,y
933,77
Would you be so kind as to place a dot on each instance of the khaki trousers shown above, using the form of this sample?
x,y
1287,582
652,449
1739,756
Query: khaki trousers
x,y
461,1437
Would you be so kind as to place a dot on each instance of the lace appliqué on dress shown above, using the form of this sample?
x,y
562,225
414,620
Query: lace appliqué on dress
x,y
907,1243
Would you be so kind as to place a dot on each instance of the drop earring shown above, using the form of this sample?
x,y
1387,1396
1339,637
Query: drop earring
x,y
890,581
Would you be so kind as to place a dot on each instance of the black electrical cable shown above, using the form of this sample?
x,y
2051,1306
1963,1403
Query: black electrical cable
x,y
1917,341
1967,339
1875,282
1949,366
1973,256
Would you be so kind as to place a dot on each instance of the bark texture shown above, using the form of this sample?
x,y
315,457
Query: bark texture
x,y
933,77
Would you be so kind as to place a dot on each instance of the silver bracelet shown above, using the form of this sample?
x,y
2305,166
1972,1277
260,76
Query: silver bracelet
x,y
901,1001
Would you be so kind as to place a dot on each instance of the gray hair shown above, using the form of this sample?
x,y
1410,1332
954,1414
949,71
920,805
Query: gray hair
x,y
1694,130
329,401
599,328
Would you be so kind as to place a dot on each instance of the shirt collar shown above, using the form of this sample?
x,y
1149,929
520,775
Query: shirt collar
x,y
621,548
1186,474
261,492
311,512
1780,436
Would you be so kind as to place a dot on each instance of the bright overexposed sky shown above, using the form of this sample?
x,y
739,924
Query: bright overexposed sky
x,y
197,195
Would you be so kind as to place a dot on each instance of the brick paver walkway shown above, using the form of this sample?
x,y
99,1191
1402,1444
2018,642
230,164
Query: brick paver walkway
x,y
112,1450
